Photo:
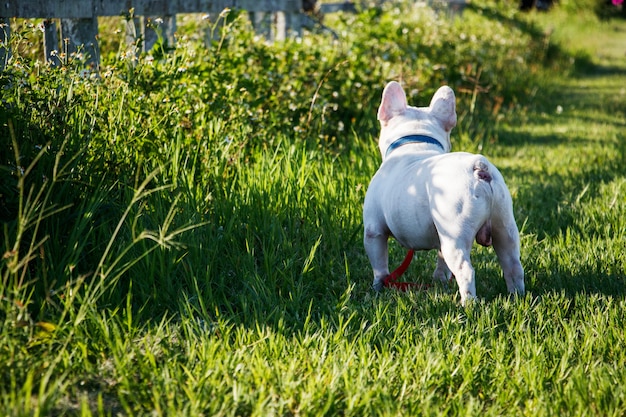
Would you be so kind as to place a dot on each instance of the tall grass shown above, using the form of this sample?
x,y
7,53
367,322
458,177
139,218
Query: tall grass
x,y
181,233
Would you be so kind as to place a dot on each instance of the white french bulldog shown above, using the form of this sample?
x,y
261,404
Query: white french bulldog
x,y
428,198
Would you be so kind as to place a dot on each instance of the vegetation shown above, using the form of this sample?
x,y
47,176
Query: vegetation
x,y
181,231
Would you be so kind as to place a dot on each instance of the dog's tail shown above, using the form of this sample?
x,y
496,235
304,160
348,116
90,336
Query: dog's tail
x,y
481,173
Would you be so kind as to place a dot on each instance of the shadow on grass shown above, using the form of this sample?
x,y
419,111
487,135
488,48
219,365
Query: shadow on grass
x,y
548,203
584,281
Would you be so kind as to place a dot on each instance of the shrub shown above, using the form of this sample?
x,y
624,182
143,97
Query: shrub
x,y
105,173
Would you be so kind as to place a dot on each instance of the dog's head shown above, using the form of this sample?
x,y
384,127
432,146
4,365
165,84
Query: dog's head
x,y
398,119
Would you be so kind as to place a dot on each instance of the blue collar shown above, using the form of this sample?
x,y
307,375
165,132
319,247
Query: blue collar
x,y
404,140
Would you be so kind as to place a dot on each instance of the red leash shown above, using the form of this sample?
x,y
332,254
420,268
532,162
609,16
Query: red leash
x,y
391,281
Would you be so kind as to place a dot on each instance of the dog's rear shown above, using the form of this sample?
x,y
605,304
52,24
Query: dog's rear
x,y
429,199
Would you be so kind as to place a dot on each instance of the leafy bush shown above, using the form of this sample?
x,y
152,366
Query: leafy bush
x,y
78,145
604,9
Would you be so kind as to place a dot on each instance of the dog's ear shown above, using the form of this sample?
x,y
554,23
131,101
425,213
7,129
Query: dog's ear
x,y
393,102
443,107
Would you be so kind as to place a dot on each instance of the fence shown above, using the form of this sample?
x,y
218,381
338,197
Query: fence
x,y
79,20
275,19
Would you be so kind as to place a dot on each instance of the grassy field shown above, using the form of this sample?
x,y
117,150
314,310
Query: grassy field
x,y
182,235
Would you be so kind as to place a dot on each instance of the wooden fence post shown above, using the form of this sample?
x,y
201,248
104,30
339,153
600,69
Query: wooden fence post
x,y
132,36
276,26
166,25
5,35
214,29
79,36
261,21
280,26
143,33
51,42
293,23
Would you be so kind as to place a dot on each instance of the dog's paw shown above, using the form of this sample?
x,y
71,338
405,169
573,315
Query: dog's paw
x,y
378,284
468,299
443,275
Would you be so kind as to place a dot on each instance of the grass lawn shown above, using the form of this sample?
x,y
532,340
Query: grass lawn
x,y
182,235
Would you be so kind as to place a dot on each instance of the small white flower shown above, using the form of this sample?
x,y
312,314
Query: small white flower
x,y
559,109
158,21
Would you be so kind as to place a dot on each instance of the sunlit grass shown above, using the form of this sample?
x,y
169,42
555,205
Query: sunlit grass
x,y
182,235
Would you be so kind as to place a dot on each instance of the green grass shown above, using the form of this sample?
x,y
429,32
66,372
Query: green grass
x,y
183,236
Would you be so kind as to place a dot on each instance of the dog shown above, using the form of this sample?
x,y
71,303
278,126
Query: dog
x,y
427,197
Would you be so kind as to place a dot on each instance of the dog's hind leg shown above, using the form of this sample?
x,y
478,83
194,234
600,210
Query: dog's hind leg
x,y
456,254
507,247
442,273
506,240
376,248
